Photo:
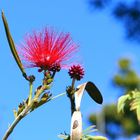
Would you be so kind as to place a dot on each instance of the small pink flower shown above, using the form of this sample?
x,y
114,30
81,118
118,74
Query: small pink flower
x,y
47,49
76,72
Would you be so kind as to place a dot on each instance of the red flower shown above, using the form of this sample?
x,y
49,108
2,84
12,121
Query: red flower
x,y
47,49
76,72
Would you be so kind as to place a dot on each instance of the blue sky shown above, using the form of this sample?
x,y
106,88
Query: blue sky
x,y
101,41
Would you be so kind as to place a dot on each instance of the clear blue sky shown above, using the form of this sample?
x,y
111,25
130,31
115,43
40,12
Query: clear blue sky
x,y
101,41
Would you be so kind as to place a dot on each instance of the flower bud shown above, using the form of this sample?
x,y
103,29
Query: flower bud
x,y
55,67
31,78
76,72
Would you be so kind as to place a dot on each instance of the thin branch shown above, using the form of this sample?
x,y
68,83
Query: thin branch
x,y
64,93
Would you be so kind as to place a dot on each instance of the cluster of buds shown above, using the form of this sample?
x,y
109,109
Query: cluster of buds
x,y
55,67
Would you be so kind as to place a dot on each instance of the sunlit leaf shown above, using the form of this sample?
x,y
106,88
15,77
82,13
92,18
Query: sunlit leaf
x,y
135,94
134,98
89,137
138,113
91,89
89,130
64,137
84,136
121,103
135,104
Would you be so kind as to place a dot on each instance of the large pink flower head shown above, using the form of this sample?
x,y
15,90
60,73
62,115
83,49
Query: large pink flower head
x,y
47,49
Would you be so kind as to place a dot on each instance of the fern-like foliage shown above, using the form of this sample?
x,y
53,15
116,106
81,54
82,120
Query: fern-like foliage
x,y
134,101
85,135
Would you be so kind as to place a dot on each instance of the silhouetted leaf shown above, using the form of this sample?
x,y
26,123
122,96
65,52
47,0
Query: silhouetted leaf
x,y
94,92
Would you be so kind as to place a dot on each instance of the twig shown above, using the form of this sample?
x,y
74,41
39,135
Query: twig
x,y
64,93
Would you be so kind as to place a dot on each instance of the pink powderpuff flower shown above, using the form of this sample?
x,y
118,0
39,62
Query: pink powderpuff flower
x,y
47,49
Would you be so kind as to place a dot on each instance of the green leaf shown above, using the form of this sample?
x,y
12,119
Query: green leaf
x,y
89,137
138,113
12,45
135,94
84,137
89,129
121,102
134,97
64,137
135,104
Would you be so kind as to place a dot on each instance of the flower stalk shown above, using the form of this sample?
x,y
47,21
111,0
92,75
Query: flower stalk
x,y
70,94
30,92
76,72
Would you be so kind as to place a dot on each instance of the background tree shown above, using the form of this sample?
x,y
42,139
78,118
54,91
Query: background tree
x,y
128,13
121,124
127,79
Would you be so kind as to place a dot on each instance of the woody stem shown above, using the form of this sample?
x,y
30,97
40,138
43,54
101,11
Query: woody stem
x,y
16,121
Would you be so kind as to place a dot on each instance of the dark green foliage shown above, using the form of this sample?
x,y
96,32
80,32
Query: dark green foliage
x,y
128,13
99,4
